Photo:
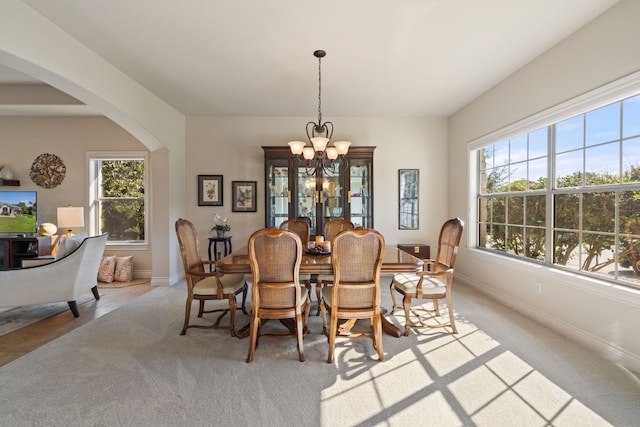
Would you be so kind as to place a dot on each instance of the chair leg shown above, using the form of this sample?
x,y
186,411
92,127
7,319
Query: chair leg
x,y
323,310
187,313
95,293
392,289
452,320
436,307
318,292
73,306
333,330
254,328
377,335
201,309
406,303
307,311
232,314
245,289
299,336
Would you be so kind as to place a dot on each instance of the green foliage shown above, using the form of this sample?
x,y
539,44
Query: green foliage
x,y
598,209
123,217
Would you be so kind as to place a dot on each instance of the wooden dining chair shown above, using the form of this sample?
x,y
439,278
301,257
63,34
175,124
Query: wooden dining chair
x,y
355,294
206,285
331,229
275,256
303,230
435,283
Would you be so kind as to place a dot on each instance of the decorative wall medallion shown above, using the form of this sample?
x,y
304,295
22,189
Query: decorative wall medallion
x,y
48,170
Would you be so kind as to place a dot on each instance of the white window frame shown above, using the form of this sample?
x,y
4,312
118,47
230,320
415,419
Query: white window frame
x,y
92,158
616,91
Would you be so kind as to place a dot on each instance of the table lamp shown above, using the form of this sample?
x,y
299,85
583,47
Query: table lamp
x,y
70,217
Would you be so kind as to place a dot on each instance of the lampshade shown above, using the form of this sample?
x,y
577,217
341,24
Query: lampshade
x,y
70,216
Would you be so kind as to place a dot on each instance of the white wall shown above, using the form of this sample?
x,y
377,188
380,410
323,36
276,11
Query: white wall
x,y
600,315
232,147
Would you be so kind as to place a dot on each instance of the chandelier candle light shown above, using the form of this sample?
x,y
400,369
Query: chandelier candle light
x,y
320,155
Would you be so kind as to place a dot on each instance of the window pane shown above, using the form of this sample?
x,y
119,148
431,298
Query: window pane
x,y
631,117
597,253
518,149
565,245
629,259
516,210
629,212
535,243
515,240
631,160
598,211
518,177
485,162
569,169
123,219
122,178
567,209
603,124
501,154
536,210
603,164
538,174
495,237
497,180
497,210
569,134
538,143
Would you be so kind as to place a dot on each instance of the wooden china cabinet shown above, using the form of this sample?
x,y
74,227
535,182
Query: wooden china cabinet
x,y
343,191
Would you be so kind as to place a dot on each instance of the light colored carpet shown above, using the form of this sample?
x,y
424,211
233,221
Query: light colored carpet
x,y
131,367
16,318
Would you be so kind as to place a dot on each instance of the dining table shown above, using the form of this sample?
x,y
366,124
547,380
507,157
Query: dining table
x,y
395,261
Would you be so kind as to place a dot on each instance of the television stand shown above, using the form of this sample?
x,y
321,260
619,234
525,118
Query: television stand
x,y
14,249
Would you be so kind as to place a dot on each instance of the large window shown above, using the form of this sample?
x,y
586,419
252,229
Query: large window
x,y
567,194
117,196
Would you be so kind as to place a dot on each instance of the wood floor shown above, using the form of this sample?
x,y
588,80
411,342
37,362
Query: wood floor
x,y
18,343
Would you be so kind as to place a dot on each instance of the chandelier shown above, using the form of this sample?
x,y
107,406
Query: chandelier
x,y
320,155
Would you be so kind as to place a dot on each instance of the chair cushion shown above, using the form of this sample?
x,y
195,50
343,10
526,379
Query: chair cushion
x,y
209,285
407,283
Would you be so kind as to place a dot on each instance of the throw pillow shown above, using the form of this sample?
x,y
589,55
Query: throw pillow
x,y
107,269
69,245
124,269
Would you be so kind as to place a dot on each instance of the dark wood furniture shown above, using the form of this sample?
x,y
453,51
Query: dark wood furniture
x,y
343,192
213,243
418,250
14,249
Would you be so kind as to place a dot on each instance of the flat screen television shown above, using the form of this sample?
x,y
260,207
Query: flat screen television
x,y
18,212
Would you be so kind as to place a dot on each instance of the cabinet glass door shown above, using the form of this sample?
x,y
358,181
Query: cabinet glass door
x,y
360,198
333,193
277,192
307,197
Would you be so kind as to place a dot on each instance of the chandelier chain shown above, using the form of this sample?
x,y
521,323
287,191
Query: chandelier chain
x,y
319,91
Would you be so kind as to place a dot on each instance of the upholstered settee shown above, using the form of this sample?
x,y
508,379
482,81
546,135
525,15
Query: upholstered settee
x,y
66,278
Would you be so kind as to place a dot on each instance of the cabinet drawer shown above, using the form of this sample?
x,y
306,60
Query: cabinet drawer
x,y
418,250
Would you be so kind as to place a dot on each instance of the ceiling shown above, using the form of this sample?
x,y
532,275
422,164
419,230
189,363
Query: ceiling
x,y
255,58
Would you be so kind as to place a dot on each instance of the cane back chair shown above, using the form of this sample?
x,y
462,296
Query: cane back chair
x,y
435,283
204,286
331,229
357,257
275,256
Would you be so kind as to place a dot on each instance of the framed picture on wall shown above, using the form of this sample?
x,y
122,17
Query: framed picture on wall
x,y
243,196
210,190
408,181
